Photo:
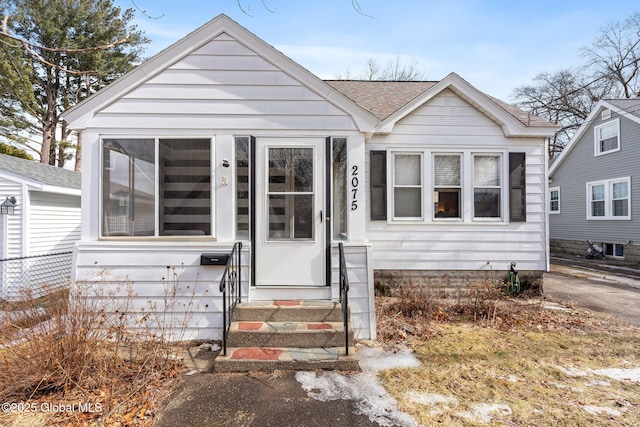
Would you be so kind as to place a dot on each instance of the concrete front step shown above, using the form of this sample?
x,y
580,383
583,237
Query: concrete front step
x,y
289,311
246,359
287,334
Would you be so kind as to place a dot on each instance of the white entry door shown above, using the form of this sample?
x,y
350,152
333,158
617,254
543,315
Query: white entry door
x,y
290,243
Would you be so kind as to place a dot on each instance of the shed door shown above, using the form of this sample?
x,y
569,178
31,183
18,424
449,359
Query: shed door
x,y
289,224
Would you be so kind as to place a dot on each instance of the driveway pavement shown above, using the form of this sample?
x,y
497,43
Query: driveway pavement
x,y
606,286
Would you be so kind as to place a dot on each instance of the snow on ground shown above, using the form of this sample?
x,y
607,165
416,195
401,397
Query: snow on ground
x,y
632,375
370,396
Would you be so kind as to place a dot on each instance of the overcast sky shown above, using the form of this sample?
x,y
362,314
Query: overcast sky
x,y
496,45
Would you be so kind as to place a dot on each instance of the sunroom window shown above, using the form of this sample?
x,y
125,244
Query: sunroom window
x,y
168,194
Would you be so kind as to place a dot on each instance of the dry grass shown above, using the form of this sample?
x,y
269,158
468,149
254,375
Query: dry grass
x,y
76,360
499,361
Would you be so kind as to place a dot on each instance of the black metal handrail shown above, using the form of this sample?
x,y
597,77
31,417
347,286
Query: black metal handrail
x,y
344,296
231,288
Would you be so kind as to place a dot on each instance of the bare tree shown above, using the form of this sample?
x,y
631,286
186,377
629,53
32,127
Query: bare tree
x,y
394,71
615,56
564,98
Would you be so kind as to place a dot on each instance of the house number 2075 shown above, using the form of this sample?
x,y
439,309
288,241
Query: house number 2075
x,y
354,187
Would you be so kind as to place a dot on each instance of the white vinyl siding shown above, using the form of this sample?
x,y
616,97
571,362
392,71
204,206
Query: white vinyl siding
x,y
607,137
610,199
54,222
445,125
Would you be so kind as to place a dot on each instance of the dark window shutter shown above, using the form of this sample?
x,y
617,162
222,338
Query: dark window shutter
x,y
517,188
378,182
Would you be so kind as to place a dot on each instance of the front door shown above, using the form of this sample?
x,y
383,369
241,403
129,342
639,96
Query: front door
x,y
290,243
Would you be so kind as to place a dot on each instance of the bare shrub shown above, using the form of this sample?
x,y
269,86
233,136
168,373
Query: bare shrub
x,y
96,346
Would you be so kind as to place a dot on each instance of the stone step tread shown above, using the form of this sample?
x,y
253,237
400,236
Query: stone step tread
x,y
285,327
286,354
289,304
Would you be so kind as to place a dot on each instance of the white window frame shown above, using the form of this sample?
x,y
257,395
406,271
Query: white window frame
x,y
608,199
596,137
461,186
393,186
551,191
157,198
501,186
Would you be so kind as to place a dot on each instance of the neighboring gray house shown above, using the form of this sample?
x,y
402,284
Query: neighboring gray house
x,y
593,191
37,238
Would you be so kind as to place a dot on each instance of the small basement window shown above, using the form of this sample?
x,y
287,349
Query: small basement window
x,y
615,250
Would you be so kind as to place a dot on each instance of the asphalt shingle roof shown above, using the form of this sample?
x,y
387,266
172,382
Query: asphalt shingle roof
x,y
39,172
383,98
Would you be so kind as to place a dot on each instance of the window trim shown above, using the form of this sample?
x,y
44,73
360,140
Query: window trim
x,y
393,186
596,137
608,199
157,197
551,210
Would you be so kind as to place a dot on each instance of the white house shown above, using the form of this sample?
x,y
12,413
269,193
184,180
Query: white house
x,y
221,138
38,233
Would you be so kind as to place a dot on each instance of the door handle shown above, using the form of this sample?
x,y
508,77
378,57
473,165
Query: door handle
x,y
321,217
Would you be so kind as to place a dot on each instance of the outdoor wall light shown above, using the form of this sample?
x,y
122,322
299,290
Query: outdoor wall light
x,y
7,207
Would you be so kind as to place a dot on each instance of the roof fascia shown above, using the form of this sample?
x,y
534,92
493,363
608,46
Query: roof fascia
x,y
79,116
511,126
33,184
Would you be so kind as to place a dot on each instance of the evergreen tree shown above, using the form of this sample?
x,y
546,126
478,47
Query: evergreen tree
x,y
53,54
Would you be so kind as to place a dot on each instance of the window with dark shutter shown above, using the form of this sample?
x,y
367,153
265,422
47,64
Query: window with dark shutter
x,y
517,188
378,180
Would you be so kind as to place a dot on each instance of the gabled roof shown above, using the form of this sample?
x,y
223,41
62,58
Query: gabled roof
x,y
79,116
40,176
392,101
382,98
629,108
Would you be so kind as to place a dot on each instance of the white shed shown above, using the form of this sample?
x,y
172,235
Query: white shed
x,y
37,238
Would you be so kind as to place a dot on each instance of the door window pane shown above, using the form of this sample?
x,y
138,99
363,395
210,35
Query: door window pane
x,y
290,194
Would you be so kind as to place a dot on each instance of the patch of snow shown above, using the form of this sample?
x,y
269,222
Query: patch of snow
x,y
597,410
370,396
599,383
632,375
572,372
431,398
484,413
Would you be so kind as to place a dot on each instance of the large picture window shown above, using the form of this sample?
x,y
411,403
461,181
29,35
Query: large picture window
x,y
407,186
609,199
156,187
